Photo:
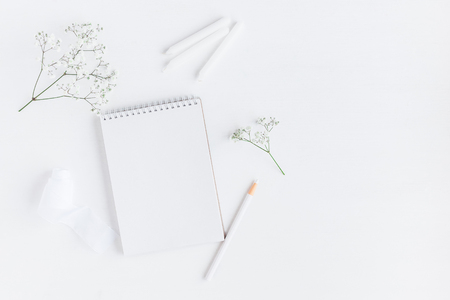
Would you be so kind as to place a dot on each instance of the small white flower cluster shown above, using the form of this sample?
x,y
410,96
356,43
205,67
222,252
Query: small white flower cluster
x,y
76,63
269,125
84,32
238,135
259,139
47,42
71,89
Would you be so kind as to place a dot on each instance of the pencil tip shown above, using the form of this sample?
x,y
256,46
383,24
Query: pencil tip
x,y
257,181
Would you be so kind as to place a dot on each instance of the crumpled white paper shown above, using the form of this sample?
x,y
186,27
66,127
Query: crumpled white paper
x,y
56,206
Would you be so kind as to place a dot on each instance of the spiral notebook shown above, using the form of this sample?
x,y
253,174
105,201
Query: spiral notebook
x,y
162,176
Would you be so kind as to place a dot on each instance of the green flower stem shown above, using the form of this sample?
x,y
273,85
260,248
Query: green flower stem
x,y
34,98
67,96
26,105
51,98
255,145
35,84
39,76
268,151
276,163
64,74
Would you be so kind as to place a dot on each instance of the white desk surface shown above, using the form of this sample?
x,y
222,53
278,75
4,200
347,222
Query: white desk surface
x,y
362,90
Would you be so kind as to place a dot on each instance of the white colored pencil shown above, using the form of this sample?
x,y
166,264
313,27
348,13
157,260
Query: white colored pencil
x,y
186,55
231,232
198,36
219,52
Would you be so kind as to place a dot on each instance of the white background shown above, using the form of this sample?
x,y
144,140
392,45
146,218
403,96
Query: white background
x,y
362,92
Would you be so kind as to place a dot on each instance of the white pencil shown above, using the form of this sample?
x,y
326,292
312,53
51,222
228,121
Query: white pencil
x,y
231,232
196,37
218,53
186,55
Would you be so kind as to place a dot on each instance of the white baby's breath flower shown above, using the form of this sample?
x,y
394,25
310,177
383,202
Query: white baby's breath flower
x,y
76,65
260,139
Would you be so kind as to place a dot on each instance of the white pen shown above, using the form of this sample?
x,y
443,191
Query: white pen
x,y
218,53
191,40
231,232
186,55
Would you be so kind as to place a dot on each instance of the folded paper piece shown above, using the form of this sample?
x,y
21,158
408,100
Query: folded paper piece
x,y
56,206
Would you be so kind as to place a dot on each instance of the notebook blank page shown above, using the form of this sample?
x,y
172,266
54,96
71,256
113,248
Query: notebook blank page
x,y
162,180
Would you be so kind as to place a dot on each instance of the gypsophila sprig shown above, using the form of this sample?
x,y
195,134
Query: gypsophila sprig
x,y
82,72
259,139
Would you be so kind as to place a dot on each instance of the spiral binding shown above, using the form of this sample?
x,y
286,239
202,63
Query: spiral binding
x,y
173,103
